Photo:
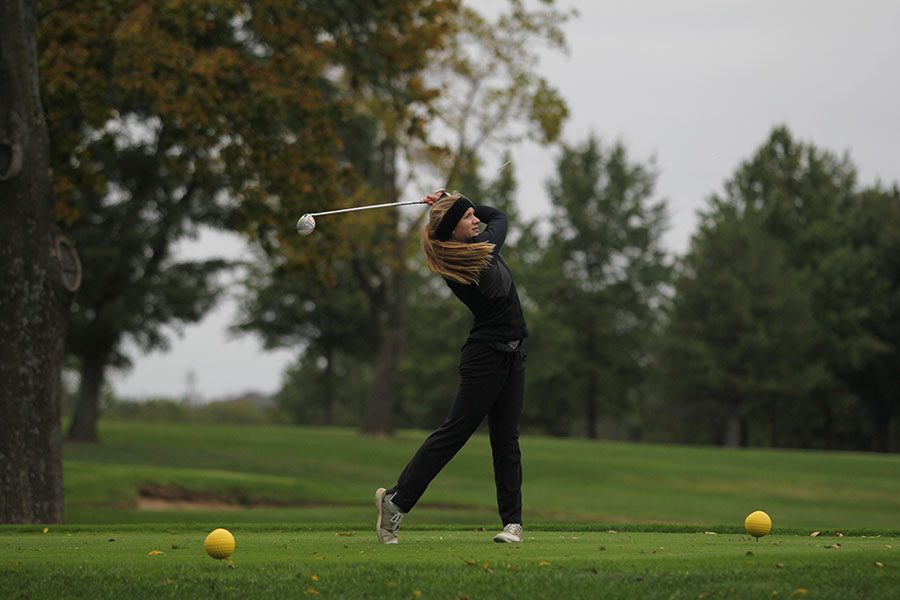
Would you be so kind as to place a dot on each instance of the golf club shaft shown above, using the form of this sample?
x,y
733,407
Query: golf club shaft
x,y
343,210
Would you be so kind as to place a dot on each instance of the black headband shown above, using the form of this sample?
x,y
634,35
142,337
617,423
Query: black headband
x,y
451,218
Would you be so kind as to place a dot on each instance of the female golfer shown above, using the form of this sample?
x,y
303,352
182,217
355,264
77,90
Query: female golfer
x,y
491,366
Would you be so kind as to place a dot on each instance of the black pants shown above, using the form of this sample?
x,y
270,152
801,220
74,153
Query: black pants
x,y
492,384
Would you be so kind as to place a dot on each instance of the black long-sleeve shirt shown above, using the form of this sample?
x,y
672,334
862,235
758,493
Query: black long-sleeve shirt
x,y
494,301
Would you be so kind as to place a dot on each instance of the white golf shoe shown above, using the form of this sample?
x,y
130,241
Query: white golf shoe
x,y
511,534
389,517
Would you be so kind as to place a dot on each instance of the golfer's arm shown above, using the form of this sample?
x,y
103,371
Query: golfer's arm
x,y
496,223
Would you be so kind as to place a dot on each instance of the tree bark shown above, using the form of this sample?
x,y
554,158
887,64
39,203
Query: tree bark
x,y
590,406
392,332
33,303
87,410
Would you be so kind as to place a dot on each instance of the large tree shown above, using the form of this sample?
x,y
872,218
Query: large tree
x,y
36,289
484,89
597,287
738,356
785,316
170,116
864,310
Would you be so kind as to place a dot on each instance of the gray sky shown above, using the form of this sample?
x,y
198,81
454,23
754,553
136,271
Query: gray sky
x,y
696,85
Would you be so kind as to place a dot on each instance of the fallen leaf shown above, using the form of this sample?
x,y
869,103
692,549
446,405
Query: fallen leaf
x,y
154,552
543,563
612,531
888,546
839,534
392,584
417,594
315,577
487,567
879,564
815,534
344,533
312,591
469,562
835,546
710,533
800,592
779,565
46,529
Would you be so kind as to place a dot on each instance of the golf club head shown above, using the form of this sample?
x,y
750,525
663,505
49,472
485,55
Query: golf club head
x,y
306,224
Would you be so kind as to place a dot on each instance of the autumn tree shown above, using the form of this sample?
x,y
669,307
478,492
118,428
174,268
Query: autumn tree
x,y
167,117
485,90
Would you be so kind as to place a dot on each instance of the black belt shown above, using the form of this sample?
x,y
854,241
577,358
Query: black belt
x,y
512,346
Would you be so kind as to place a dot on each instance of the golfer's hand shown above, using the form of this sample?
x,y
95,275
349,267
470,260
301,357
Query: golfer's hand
x,y
434,196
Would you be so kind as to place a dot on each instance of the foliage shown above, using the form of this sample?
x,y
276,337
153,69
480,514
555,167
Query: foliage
x,y
597,284
738,357
773,335
239,411
168,116
482,90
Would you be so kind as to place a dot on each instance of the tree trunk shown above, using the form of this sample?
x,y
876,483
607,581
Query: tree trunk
x,y
87,409
773,417
392,332
733,431
590,406
33,303
328,396
393,322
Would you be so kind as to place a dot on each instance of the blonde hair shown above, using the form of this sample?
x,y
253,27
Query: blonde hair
x,y
461,262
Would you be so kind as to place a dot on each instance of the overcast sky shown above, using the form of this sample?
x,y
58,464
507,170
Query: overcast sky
x,y
694,85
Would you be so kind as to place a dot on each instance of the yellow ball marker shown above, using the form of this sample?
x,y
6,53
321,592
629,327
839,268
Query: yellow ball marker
x,y
758,524
219,543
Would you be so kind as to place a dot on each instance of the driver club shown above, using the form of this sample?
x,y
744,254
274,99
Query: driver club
x,y
307,223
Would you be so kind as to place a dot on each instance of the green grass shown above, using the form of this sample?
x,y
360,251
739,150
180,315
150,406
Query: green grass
x,y
328,475
110,562
602,520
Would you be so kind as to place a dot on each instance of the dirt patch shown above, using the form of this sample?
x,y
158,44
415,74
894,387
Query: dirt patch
x,y
173,497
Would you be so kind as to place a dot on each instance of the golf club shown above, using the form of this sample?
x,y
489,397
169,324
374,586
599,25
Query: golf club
x,y
306,224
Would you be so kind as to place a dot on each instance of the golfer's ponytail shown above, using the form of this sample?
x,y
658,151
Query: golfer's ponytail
x,y
461,262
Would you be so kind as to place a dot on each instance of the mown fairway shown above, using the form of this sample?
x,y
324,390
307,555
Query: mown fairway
x,y
116,562
602,520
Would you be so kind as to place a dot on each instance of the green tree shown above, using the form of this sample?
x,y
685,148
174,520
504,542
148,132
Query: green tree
x,y
135,288
791,256
36,291
863,311
597,287
738,356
